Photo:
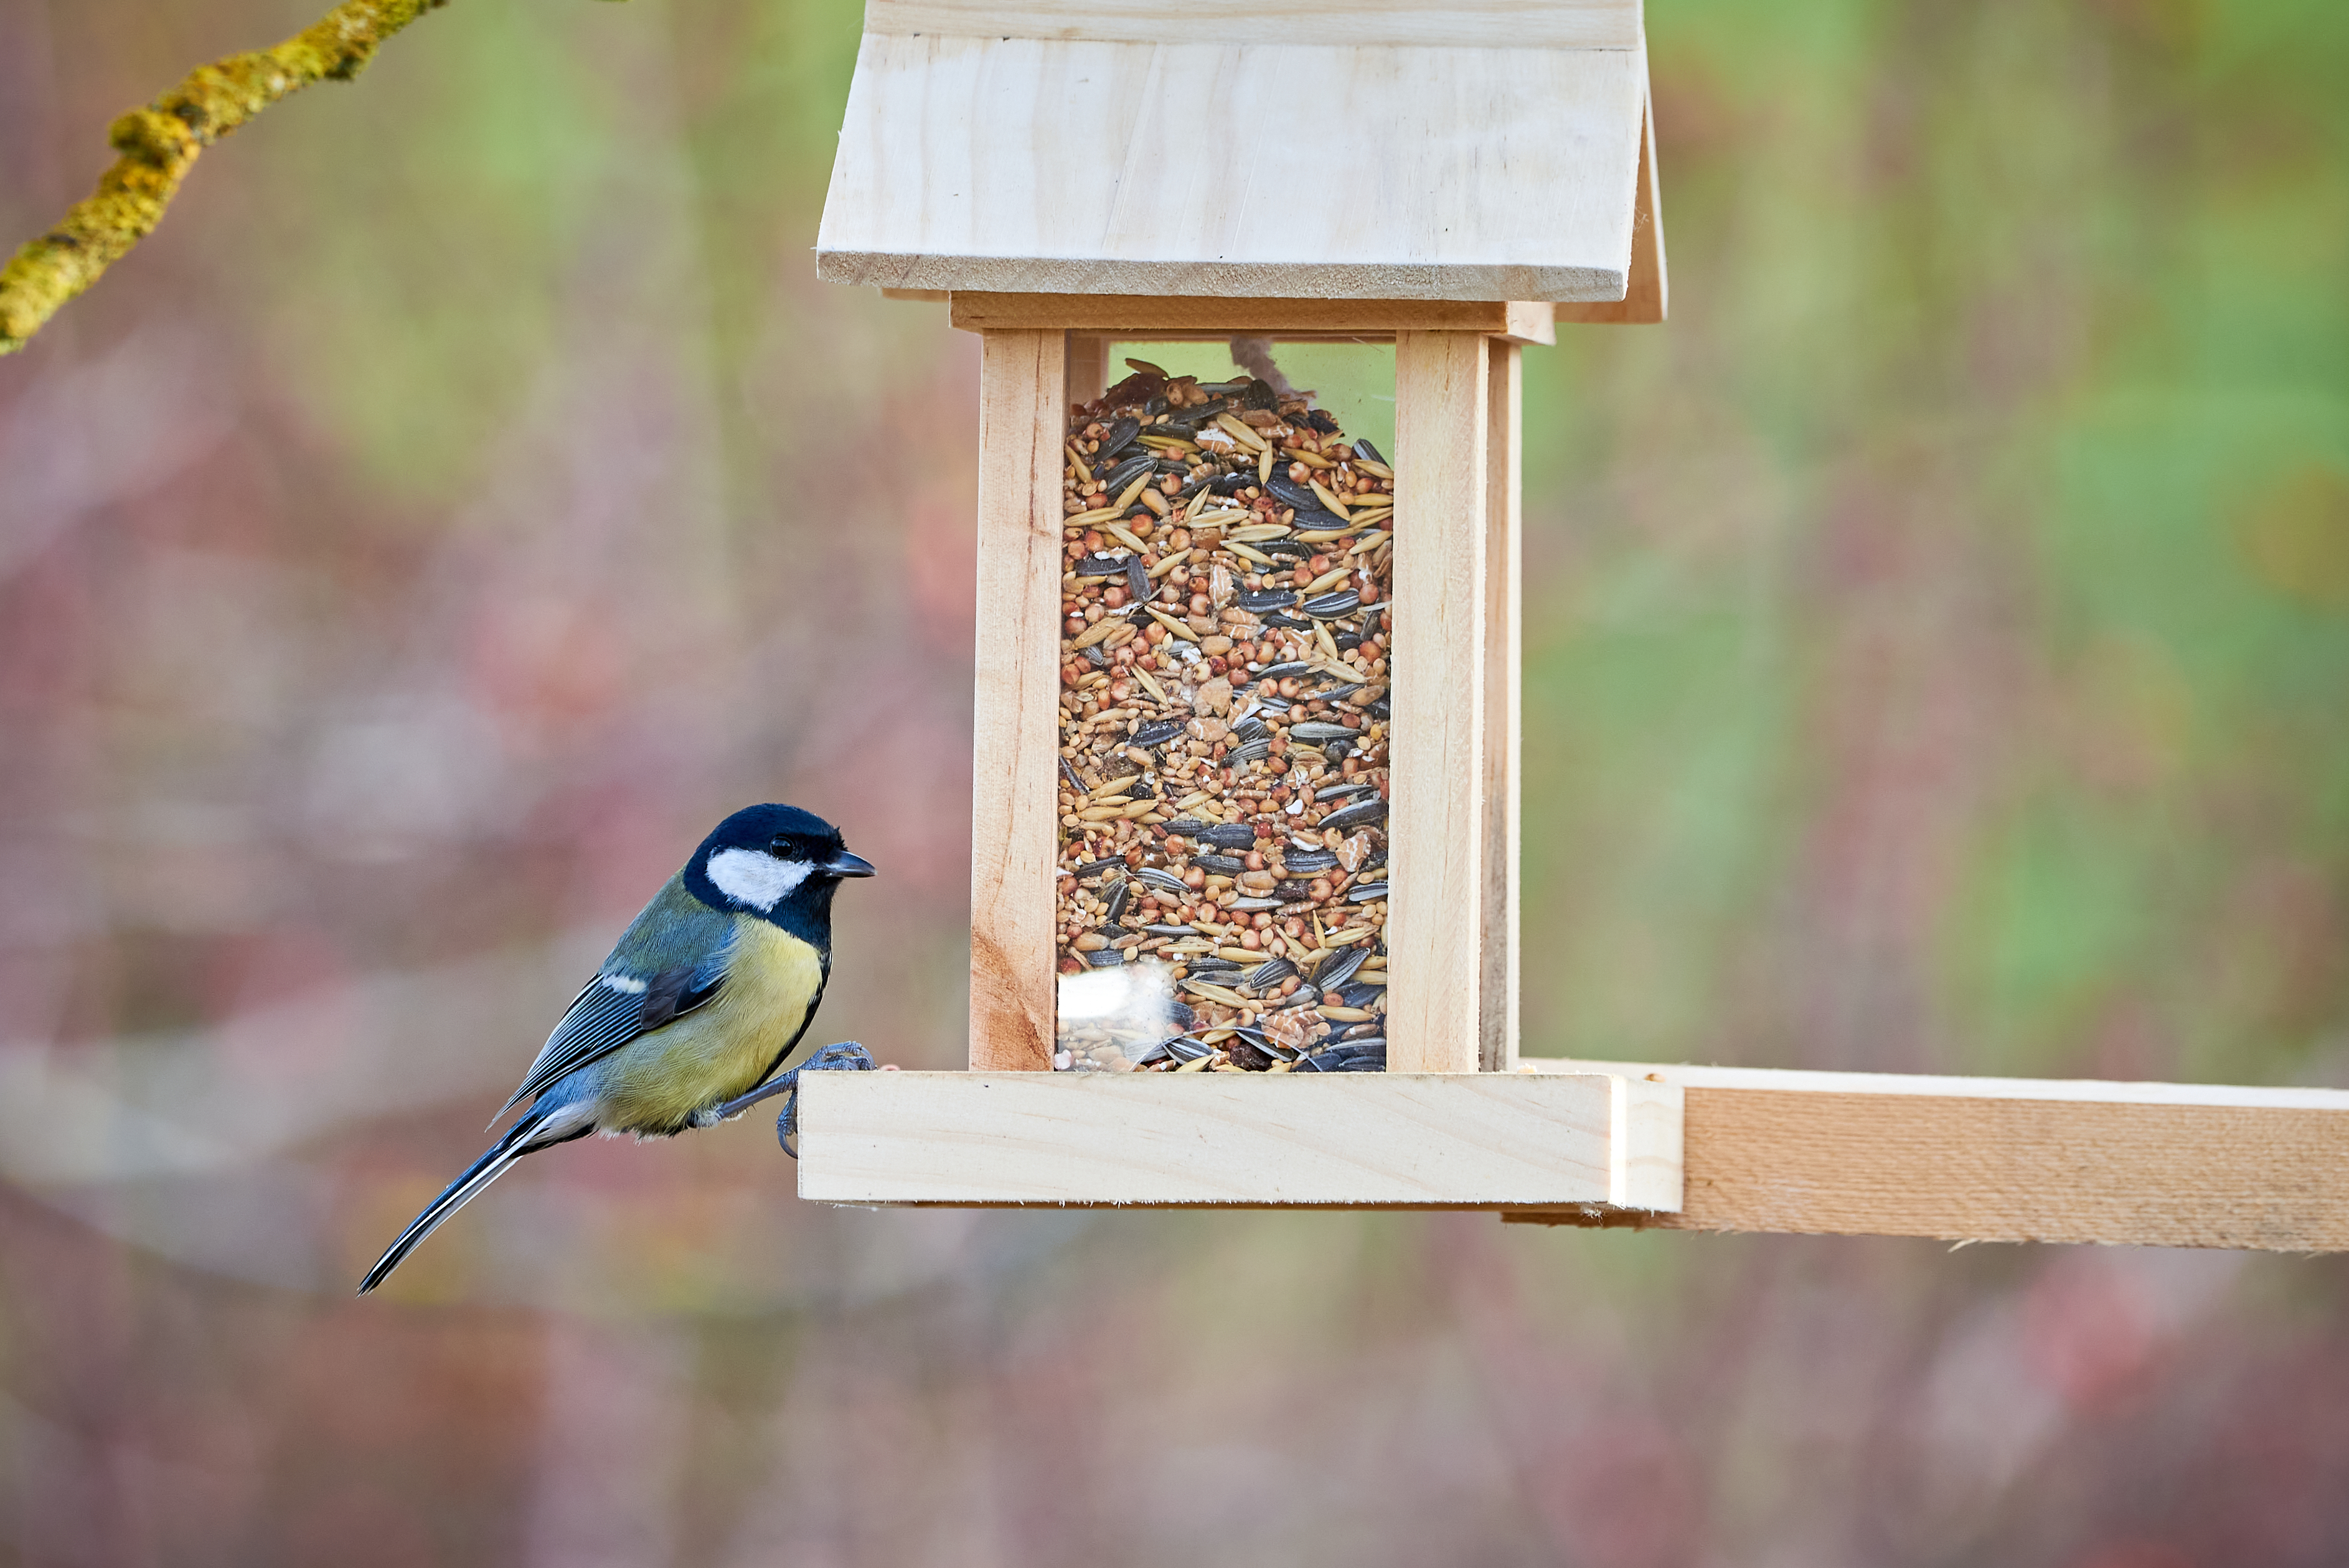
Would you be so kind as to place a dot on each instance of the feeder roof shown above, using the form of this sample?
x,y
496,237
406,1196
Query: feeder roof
x,y
1367,149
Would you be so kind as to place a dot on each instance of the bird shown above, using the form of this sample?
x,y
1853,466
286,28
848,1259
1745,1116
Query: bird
x,y
707,993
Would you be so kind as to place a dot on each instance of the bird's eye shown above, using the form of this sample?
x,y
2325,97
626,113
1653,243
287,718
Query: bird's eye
x,y
782,848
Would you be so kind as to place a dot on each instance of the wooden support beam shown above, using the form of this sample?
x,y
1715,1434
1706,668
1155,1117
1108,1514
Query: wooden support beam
x,y
1023,407
1437,822
2009,1159
1239,1141
1504,610
1163,318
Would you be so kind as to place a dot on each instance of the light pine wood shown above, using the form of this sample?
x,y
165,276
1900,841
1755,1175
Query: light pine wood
x,y
1320,169
1437,820
1173,319
1023,405
1238,1139
1647,300
1481,24
1088,368
1504,608
2011,1160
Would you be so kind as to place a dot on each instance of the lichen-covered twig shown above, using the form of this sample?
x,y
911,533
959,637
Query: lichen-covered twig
x,y
158,144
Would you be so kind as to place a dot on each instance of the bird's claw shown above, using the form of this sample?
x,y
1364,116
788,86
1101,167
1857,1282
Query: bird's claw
x,y
844,1057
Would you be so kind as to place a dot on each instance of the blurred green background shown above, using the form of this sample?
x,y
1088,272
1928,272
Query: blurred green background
x,y
1937,659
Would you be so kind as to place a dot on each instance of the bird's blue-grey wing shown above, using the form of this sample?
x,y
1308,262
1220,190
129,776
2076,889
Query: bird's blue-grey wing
x,y
671,960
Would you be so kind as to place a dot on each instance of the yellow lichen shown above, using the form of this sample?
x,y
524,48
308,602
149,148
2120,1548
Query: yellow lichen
x,y
159,143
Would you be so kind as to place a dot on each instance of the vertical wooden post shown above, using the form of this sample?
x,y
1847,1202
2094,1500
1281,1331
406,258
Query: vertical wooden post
x,y
1023,403
1088,368
1437,820
1504,640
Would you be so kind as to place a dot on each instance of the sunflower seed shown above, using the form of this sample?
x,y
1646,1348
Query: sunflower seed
x,y
1125,473
1157,732
1271,971
1330,606
1340,966
1355,816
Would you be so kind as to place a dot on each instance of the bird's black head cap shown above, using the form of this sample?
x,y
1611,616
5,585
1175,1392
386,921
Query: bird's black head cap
x,y
778,863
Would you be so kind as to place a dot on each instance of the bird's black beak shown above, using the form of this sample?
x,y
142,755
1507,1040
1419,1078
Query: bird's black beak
x,y
843,865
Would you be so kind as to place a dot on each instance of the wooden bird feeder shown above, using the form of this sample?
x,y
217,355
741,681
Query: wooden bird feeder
x,y
1457,183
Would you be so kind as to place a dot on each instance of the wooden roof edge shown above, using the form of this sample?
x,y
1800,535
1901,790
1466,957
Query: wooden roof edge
x,y
1400,24
1106,279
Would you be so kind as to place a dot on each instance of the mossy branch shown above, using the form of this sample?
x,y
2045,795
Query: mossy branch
x,y
158,144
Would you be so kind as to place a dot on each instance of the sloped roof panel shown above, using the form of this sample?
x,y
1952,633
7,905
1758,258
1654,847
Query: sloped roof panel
x,y
1215,165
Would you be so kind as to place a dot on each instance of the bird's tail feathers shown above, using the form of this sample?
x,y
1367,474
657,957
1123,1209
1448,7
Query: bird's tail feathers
x,y
527,1136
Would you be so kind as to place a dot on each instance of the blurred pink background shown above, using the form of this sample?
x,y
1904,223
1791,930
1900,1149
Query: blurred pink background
x,y
1938,659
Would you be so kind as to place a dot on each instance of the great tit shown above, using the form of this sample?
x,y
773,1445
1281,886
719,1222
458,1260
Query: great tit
x,y
704,996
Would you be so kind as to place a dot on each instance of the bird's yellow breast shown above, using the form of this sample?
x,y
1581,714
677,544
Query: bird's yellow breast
x,y
657,1082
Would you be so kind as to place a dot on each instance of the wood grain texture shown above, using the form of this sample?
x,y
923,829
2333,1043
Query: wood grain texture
x,y
1479,23
1503,601
1023,407
1647,300
1028,165
1089,367
2006,1159
1436,819
1236,1140
1164,318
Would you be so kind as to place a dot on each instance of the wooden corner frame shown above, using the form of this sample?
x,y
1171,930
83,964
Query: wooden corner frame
x,y
1452,820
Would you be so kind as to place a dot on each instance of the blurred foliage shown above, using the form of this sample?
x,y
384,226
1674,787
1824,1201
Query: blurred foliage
x,y
1937,641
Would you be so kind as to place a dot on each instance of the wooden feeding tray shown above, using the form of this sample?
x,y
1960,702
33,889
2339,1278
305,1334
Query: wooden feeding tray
x,y
1457,184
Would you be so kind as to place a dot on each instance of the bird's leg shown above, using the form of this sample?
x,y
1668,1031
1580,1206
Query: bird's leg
x,y
845,1056
785,1084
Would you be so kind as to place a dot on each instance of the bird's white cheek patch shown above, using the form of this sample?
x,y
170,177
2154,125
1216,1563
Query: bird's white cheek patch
x,y
750,877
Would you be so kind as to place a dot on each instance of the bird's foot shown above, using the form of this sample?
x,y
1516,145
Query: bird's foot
x,y
845,1056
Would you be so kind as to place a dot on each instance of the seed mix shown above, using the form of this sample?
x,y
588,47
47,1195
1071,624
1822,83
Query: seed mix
x,y
1223,727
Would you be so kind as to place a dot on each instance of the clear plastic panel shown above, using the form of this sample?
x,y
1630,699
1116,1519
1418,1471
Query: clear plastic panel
x,y
1223,715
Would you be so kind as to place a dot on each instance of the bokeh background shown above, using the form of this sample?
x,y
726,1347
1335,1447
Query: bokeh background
x,y
1938,660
